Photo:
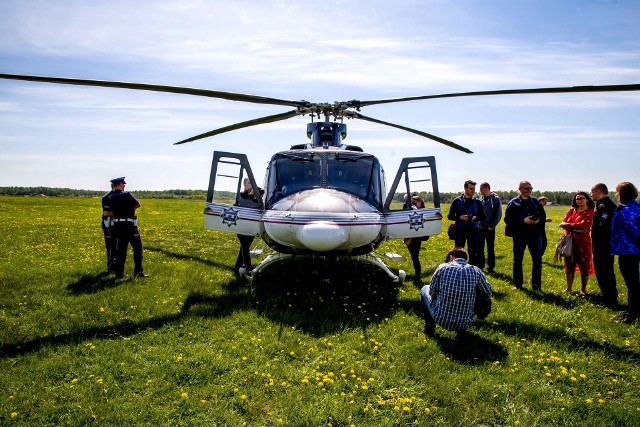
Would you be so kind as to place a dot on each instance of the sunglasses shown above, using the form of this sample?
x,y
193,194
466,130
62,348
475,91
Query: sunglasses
x,y
526,188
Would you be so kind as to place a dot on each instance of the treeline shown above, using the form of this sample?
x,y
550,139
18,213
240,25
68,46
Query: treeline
x,y
70,192
555,197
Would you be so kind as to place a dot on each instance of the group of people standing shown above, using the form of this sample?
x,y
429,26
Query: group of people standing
x,y
599,230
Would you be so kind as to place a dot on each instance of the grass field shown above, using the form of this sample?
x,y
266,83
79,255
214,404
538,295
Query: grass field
x,y
311,343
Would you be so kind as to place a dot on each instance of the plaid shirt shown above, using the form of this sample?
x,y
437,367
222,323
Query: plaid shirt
x,y
453,293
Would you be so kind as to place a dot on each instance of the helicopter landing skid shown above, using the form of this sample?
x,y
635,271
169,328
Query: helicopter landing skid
x,y
271,258
372,259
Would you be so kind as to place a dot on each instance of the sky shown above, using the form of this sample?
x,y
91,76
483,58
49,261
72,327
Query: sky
x,y
81,137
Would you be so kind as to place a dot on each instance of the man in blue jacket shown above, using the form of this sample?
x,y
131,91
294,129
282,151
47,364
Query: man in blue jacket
x,y
522,216
467,212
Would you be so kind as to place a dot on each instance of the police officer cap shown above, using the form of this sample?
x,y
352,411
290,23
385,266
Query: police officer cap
x,y
115,181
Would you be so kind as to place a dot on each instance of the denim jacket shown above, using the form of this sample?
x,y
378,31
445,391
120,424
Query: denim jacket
x,y
625,229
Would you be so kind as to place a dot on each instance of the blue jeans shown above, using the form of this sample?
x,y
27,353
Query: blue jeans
x,y
529,238
425,303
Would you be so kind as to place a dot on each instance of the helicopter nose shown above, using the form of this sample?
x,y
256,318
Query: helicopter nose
x,y
322,236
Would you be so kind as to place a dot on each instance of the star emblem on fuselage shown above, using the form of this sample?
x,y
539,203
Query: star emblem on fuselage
x,y
230,216
416,221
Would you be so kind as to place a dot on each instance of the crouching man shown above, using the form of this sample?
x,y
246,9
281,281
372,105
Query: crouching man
x,y
450,298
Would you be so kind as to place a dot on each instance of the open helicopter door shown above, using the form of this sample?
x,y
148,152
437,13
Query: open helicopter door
x,y
240,215
418,175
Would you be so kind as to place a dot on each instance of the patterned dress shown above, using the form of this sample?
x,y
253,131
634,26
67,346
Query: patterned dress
x,y
580,225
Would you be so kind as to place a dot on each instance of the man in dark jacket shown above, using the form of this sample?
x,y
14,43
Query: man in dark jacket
x,y
492,215
600,238
467,212
522,216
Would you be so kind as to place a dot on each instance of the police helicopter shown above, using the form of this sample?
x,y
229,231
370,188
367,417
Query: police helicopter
x,y
322,197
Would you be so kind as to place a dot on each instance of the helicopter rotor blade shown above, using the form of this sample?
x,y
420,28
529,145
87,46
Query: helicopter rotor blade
x,y
417,132
568,89
248,123
231,96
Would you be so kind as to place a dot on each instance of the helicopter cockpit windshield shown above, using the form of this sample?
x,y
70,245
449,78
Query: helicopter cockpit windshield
x,y
354,173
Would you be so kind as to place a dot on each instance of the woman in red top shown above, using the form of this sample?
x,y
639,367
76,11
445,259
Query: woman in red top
x,y
578,221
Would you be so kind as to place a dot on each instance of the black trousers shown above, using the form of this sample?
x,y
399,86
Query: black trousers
x,y
488,236
603,263
109,243
630,269
471,236
244,256
414,251
127,234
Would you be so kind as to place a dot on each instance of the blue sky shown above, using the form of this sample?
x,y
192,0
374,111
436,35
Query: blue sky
x,y
80,137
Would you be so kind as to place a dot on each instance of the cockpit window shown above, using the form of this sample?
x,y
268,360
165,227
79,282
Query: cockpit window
x,y
289,174
352,173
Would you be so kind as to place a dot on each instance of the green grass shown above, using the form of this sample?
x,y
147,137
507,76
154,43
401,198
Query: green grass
x,y
312,342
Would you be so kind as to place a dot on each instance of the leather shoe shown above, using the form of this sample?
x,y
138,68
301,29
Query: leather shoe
x,y
428,331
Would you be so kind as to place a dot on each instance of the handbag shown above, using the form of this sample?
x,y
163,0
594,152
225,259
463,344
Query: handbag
x,y
564,247
451,232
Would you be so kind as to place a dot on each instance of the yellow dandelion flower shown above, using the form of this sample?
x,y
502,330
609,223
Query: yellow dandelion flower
x,y
601,401
574,379
406,409
74,381
427,410
184,395
243,397
14,414
589,401
583,376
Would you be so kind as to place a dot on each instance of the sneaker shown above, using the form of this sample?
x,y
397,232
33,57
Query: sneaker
x,y
516,288
141,274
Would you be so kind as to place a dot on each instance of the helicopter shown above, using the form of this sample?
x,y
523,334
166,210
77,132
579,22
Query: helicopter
x,y
323,197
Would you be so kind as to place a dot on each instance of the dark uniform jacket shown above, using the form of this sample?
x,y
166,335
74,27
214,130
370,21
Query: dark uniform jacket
x,y
106,204
123,204
601,228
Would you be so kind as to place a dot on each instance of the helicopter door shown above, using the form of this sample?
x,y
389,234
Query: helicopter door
x,y
226,209
415,175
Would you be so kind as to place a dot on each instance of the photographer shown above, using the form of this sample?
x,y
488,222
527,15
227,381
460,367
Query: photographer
x,y
467,212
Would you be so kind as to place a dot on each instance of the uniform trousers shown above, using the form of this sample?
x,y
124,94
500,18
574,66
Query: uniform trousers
x,y
127,234
603,263
109,243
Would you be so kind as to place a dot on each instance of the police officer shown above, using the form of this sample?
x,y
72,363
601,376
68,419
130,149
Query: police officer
x,y
109,240
125,228
603,261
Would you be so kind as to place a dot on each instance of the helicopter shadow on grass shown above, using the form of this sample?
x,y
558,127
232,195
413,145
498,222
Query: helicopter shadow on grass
x,y
322,296
179,256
